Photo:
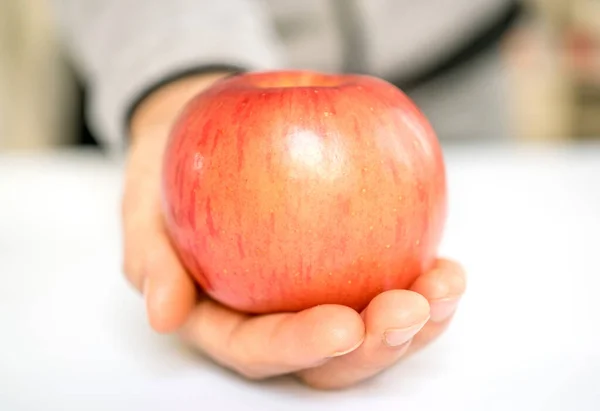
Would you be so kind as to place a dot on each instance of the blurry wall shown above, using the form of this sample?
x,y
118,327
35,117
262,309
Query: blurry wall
x,y
36,87
554,64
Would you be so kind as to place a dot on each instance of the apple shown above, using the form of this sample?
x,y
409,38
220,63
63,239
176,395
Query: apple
x,y
283,190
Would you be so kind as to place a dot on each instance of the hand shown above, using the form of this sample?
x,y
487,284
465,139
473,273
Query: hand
x,y
328,346
150,263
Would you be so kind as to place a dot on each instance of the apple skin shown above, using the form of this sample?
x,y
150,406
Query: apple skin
x,y
285,190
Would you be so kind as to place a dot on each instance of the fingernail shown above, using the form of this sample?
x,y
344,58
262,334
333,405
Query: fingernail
x,y
398,336
348,351
442,309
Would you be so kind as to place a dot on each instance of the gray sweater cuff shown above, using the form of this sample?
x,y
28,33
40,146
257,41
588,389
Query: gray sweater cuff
x,y
119,88
126,47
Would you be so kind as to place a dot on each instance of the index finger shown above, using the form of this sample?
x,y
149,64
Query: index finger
x,y
264,346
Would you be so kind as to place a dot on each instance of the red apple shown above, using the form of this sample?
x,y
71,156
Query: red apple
x,y
285,190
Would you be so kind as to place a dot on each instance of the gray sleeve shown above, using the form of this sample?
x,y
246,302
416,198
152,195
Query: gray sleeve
x,y
125,47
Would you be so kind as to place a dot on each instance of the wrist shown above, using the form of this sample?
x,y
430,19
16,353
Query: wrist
x,y
156,113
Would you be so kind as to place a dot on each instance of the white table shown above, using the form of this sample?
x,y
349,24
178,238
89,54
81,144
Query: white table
x,y
525,223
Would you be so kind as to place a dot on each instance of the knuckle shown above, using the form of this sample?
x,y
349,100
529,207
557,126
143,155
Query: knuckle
x,y
128,267
248,368
251,373
322,384
251,368
132,269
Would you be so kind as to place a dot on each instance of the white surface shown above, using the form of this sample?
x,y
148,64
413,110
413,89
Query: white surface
x,y
525,223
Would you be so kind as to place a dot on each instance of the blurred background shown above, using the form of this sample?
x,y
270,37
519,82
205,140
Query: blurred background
x,y
526,227
550,79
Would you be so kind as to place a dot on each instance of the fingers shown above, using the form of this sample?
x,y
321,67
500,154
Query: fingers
x,y
169,293
392,319
150,262
397,323
443,287
265,346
